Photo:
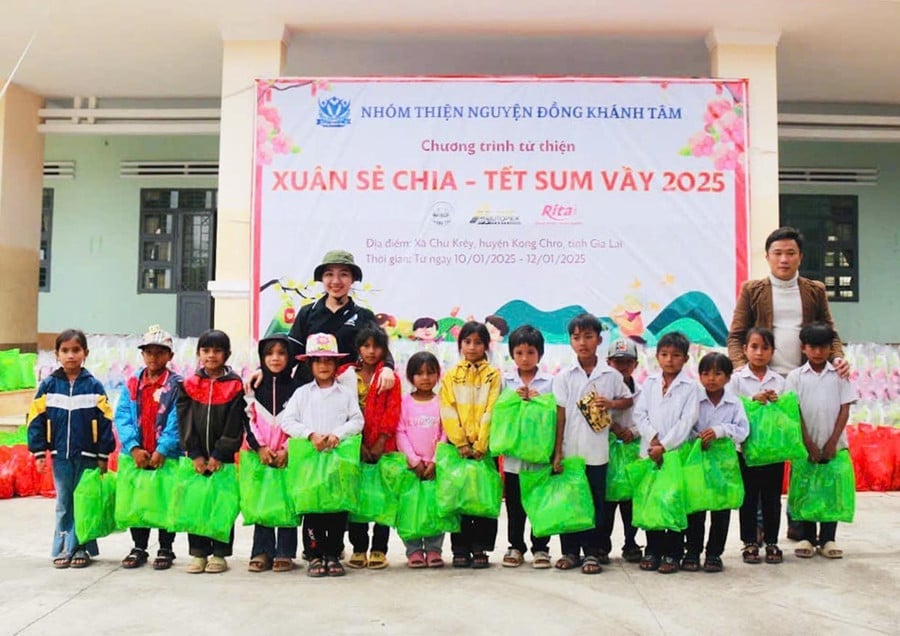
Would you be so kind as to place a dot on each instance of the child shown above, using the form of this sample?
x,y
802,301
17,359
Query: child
x,y
324,412
665,413
622,357
526,348
468,392
825,400
381,412
762,484
418,433
585,394
147,423
211,421
721,414
70,417
272,549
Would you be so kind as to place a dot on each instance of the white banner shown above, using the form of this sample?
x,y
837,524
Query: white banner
x,y
529,200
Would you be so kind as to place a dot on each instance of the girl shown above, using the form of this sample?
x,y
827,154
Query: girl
x,y
418,433
762,484
265,408
721,415
70,417
381,412
468,393
211,422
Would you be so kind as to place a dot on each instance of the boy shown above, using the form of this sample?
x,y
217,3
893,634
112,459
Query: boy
x,y
622,357
526,348
585,394
211,422
325,412
825,400
147,423
665,413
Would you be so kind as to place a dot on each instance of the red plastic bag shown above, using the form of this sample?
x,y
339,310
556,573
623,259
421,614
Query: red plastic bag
x,y
7,477
879,458
26,477
894,437
47,487
855,440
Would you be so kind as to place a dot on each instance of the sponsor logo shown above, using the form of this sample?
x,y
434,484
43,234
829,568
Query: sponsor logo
x,y
559,214
485,216
334,112
441,213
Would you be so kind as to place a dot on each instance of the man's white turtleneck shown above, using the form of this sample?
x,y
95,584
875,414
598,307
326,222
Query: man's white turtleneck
x,y
787,318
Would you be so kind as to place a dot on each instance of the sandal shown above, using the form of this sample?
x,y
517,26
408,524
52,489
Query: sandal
x,y
216,565
668,565
197,565
316,569
650,563
512,559
632,554
434,559
416,560
712,564
690,563
750,553
259,563
805,550
333,567
377,560
135,559
462,561
591,565
774,554
282,564
163,560
541,560
358,561
480,561
831,551
61,563
81,559
566,562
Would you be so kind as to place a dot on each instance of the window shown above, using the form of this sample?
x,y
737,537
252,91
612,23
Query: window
x,y
46,226
829,224
175,240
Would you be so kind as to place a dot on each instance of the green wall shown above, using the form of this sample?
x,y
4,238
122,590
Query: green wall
x,y
876,317
94,240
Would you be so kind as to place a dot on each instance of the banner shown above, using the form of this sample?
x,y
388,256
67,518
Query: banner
x,y
526,200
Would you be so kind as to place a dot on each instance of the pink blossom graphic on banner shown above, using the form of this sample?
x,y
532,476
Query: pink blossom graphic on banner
x,y
723,135
270,139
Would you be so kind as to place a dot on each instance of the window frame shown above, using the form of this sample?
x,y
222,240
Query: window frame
x,y
44,254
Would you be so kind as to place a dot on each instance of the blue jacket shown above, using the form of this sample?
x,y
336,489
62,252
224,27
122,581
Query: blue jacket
x,y
128,423
71,420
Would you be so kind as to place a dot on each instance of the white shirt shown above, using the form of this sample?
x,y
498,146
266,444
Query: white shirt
x,y
569,386
670,416
821,396
744,383
624,418
787,318
330,411
726,419
542,383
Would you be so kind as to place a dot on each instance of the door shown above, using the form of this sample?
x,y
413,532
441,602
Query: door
x,y
196,262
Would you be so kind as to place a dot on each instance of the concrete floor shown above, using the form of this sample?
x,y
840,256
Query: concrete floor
x,y
855,595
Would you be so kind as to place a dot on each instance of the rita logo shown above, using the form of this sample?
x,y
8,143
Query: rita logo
x,y
559,214
485,216
334,112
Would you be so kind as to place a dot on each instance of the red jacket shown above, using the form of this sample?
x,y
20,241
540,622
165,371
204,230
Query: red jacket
x,y
381,411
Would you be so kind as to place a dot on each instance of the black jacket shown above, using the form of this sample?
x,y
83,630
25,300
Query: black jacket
x,y
211,415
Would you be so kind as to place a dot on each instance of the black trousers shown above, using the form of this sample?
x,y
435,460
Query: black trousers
x,y
205,546
476,534
609,520
718,532
359,537
274,542
762,490
662,543
826,531
515,518
572,543
326,533
141,538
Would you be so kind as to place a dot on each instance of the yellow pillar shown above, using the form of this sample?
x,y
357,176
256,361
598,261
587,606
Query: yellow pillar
x,y
21,183
243,61
752,55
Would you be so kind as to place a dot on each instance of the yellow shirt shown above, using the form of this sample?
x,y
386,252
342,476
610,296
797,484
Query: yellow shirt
x,y
468,393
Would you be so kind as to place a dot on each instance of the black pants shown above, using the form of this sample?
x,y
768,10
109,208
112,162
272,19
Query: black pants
x,y
827,530
141,538
359,537
662,543
205,546
762,489
476,534
326,533
515,518
274,542
572,543
609,521
718,532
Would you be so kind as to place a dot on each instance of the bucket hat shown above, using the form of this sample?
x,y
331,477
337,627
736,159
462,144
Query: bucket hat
x,y
338,257
321,345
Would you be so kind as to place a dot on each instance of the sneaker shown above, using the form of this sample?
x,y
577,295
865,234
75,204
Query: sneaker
x,y
513,558
541,560
196,566
216,565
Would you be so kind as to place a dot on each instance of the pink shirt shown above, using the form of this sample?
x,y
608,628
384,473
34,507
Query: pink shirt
x,y
419,429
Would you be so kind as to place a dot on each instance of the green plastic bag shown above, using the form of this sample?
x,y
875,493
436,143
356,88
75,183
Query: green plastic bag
x,y
525,429
264,494
712,477
556,504
823,492
205,505
775,433
18,436
326,481
95,505
144,497
27,363
658,493
621,454
10,371
466,486
418,514
379,490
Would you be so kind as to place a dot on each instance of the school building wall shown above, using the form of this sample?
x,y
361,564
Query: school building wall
x,y
95,232
875,317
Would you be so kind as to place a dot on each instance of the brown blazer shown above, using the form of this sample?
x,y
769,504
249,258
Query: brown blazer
x,y
754,309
